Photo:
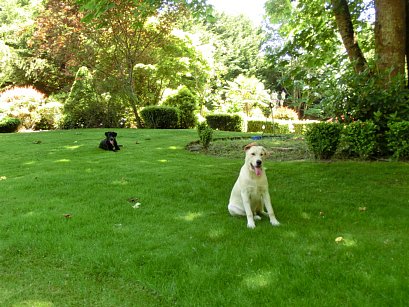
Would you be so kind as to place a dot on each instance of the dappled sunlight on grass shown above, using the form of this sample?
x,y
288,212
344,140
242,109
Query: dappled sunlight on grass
x,y
260,280
30,163
191,216
121,181
290,234
62,161
29,214
170,147
346,240
216,233
306,215
163,161
72,147
35,303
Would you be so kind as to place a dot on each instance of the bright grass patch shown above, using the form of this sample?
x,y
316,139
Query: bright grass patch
x,y
70,235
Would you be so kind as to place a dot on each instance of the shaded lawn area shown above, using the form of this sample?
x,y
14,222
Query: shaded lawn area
x,y
70,235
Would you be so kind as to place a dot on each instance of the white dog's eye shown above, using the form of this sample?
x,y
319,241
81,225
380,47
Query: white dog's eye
x,y
253,154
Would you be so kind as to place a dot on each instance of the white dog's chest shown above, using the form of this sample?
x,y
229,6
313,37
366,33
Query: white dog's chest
x,y
255,193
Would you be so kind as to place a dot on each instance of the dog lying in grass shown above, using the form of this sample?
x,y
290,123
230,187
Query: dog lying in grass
x,y
250,195
109,143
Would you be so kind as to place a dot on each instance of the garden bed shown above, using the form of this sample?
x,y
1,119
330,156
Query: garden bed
x,y
281,147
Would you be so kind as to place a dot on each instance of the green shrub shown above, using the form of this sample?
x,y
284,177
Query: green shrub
x,y
224,122
359,139
323,139
83,107
48,116
300,129
9,124
160,117
398,139
185,101
205,134
257,126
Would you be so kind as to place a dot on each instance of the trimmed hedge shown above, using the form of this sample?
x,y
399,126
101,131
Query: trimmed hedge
x,y
9,124
257,126
160,117
398,139
359,139
224,122
323,139
186,103
300,129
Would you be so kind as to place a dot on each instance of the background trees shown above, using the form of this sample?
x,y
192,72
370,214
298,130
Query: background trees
x,y
334,58
366,81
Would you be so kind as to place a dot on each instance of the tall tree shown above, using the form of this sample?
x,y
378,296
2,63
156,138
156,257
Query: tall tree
x,y
133,32
390,35
349,38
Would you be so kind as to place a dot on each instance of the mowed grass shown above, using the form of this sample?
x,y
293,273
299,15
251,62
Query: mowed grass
x,y
71,237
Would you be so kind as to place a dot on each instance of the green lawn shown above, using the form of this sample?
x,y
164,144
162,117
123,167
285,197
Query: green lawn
x,y
71,237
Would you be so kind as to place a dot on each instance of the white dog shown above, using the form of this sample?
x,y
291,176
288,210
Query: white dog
x,y
250,194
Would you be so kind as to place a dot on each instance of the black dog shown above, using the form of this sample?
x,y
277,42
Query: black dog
x,y
109,143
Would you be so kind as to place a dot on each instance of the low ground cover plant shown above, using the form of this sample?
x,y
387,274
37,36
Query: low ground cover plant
x,y
148,225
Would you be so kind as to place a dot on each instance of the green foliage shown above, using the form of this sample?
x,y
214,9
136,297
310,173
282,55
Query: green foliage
x,y
398,139
186,103
83,108
205,134
300,129
323,139
9,124
160,117
359,139
269,127
224,122
365,97
305,55
237,44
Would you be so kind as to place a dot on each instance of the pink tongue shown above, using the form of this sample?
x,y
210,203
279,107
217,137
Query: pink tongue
x,y
258,171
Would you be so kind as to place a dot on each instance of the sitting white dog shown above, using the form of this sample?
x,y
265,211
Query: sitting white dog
x,y
250,193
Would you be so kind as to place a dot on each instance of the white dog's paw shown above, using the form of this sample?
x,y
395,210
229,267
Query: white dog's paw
x,y
257,217
275,222
251,225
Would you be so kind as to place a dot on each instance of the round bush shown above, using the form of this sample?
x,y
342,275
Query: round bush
x,y
186,103
9,124
398,139
359,139
323,139
160,117
224,122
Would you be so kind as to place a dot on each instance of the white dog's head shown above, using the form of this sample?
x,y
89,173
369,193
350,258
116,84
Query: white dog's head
x,y
254,157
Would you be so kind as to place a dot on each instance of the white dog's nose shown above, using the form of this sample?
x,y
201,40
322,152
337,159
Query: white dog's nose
x,y
258,162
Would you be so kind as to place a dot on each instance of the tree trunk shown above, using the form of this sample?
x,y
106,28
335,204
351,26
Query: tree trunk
x,y
407,40
390,36
346,29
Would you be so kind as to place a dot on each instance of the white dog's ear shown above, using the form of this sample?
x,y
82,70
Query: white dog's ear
x,y
248,146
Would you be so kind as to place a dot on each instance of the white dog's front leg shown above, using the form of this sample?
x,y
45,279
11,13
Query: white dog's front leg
x,y
269,207
246,204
